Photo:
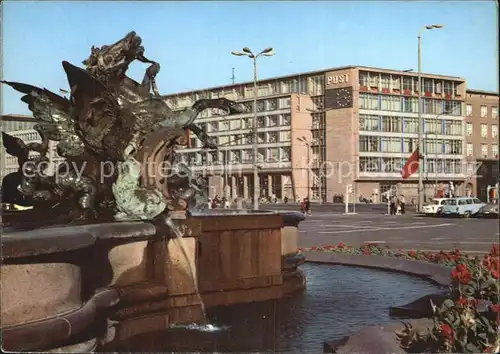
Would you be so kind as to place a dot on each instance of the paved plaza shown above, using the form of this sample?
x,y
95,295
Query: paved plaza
x,y
408,232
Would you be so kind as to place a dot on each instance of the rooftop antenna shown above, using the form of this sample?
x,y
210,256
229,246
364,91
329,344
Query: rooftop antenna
x,y
232,77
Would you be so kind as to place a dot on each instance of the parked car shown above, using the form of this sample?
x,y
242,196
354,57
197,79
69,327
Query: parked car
x,y
461,206
433,208
488,211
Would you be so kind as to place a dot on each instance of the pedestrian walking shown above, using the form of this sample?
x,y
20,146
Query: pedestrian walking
x,y
402,202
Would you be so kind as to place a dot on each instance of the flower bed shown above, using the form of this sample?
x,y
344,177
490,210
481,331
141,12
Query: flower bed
x,y
468,321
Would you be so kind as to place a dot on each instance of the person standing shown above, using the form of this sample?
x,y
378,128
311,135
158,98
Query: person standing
x,y
308,206
402,203
392,207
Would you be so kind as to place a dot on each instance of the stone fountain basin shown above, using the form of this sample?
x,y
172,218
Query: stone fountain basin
x,y
63,282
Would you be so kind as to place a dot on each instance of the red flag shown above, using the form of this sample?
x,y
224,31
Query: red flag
x,y
411,165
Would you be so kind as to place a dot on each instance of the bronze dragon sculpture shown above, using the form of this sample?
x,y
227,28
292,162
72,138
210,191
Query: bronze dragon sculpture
x,y
103,132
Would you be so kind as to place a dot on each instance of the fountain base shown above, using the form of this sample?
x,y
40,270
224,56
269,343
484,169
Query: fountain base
x,y
129,278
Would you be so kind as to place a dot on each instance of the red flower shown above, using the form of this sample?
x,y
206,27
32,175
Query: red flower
x,y
495,308
412,253
341,244
366,252
461,274
314,248
462,301
495,274
447,331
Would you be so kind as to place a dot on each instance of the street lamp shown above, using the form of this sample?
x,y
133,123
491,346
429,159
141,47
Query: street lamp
x,y
304,140
420,122
247,52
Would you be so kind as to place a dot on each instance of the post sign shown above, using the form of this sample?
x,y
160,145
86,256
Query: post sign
x,y
337,79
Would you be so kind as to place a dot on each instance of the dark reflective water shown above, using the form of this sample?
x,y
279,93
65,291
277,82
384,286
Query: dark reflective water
x,y
338,301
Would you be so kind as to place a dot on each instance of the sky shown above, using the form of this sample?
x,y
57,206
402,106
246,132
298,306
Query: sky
x,y
193,40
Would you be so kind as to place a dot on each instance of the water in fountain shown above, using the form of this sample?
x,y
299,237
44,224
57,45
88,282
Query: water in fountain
x,y
179,240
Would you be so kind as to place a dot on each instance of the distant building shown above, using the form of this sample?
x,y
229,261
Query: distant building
x,y
481,137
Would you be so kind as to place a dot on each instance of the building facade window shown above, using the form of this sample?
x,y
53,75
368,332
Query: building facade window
x,y
494,112
369,164
368,101
470,149
484,130
494,131
369,143
410,125
484,150
409,144
407,83
468,128
468,110
368,123
452,127
484,111
494,150
391,124
433,126
391,144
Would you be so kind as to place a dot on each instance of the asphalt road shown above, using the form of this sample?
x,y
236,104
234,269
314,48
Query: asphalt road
x,y
406,232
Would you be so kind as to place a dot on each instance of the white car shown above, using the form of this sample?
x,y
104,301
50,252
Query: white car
x,y
434,206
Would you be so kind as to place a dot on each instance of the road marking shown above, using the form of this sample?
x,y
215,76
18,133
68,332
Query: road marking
x,y
450,242
375,241
373,229
439,238
437,251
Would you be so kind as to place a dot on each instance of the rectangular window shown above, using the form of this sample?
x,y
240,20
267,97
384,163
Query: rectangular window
x,y
410,125
484,111
395,82
494,131
494,150
363,79
428,106
409,144
437,106
369,164
427,85
453,147
469,110
390,144
373,80
468,128
368,101
369,143
407,83
448,88
470,149
484,150
385,81
494,112
433,126
452,127
391,124
484,130
284,103
409,104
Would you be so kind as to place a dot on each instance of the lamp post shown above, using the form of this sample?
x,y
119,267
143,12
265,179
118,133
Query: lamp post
x,y
247,52
304,140
420,122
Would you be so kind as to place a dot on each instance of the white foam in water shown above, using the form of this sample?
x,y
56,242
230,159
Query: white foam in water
x,y
201,328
